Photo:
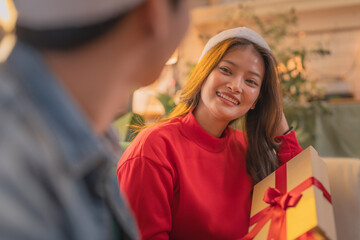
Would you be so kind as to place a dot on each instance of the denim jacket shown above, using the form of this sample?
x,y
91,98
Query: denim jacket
x,y
57,178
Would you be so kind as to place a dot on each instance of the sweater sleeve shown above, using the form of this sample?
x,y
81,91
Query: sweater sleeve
x,y
149,188
289,147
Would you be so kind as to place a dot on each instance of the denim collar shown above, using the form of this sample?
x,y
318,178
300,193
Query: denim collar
x,y
83,150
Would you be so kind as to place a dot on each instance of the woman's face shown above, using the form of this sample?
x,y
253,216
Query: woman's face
x,y
233,86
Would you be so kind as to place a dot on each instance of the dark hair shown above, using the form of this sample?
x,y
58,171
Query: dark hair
x,y
65,38
174,3
70,37
261,122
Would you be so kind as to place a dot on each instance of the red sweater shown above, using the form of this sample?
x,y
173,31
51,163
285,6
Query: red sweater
x,y
183,183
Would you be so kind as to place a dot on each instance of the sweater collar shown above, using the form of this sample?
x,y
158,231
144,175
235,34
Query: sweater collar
x,y
193,131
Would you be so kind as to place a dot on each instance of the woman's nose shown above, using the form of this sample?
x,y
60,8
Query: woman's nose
x,y
236,85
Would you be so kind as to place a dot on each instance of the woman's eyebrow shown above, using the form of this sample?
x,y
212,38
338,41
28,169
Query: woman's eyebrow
x,y
234,64
255,73
230,62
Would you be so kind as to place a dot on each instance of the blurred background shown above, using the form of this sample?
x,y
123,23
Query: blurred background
x,y
317,45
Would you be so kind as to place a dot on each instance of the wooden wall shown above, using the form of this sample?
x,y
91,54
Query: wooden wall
x,y
330,24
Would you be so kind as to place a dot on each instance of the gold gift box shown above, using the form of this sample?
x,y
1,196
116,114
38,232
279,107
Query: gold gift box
x,y
313,212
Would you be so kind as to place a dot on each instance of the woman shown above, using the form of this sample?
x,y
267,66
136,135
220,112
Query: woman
x,y
190,176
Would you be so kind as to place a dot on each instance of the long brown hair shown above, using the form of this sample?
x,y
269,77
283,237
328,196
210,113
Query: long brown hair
x,y
260,123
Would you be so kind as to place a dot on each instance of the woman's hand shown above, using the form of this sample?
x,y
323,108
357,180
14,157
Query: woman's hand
x,y
283,126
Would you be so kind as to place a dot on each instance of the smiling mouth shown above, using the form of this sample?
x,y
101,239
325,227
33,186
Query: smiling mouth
x,y
234,101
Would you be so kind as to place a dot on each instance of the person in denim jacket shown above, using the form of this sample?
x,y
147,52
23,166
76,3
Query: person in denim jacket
x,y
70,74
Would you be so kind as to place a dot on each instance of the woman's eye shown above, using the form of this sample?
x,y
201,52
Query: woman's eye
x,y
252,82
225,70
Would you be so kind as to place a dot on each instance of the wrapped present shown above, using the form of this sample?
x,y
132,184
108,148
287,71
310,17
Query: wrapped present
x,y
293,202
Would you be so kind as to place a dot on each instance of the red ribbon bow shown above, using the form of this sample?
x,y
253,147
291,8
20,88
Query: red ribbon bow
x,y
273,196
279,200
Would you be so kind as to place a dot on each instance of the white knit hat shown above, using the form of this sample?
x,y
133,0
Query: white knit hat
x,y
53,14
240,32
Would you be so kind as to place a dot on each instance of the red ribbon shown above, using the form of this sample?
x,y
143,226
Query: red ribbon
x,y
307,236
279,200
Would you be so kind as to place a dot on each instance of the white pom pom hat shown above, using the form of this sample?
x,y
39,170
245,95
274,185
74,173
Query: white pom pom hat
x,y
54,14
240,32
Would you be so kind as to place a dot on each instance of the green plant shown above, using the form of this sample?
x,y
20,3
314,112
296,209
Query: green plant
x,y
123,124
167,101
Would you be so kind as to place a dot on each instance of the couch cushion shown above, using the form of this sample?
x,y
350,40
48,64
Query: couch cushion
x,y
344,177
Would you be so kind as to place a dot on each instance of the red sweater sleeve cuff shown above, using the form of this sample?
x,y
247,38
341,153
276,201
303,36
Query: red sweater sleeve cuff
x,y
289,147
